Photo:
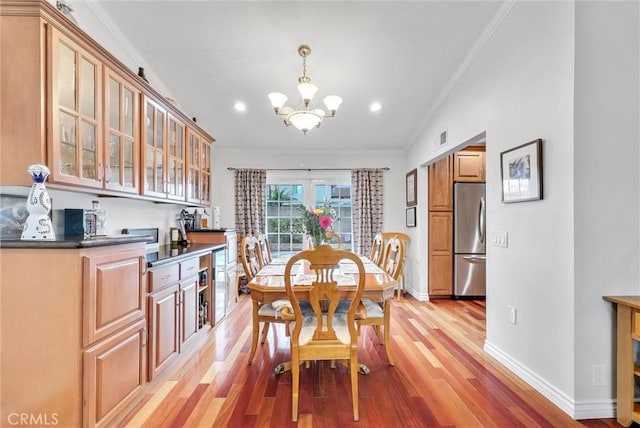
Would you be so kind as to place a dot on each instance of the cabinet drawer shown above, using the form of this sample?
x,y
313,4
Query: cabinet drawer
x,y
163,276
189,267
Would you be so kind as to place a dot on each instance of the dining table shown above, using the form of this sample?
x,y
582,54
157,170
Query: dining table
x,y
267,286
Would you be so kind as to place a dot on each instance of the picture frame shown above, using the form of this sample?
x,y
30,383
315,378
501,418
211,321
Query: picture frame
x,y
412,187
13,213
521,172
411,217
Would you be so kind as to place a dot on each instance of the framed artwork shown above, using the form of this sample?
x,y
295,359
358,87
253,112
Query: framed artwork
x,y
13,213
412,187
411,217
521,170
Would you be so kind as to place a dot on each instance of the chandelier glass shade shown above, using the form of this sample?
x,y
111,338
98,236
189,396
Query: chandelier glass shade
x,y
304,117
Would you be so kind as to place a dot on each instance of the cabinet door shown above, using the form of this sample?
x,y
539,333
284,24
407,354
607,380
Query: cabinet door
x,y
153,158
163,329
114,375
193,167
205,168
469,166
188,309
114,293
122,157
75,94
175,160
440,253
441,185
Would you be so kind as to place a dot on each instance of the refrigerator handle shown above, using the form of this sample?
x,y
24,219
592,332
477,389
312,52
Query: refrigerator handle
x,y
481,230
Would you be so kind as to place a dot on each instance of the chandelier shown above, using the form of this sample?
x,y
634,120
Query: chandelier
x,y
304,117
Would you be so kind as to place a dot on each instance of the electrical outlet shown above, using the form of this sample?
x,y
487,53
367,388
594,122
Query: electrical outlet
x,y
597,375
512,314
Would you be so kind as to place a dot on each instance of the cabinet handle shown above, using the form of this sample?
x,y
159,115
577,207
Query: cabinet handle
x,y
107,176
165,277
100,171
145,336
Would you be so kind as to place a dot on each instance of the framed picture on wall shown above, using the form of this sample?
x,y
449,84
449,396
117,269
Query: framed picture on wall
x,y
521,169
412,188
411,217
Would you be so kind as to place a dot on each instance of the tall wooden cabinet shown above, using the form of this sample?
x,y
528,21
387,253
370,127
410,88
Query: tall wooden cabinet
x,y
467,165
83,355
69,104
441,228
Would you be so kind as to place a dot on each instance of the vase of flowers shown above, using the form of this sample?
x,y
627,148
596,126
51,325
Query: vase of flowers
x,y
316,222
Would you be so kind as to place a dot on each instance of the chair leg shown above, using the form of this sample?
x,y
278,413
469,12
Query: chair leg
x,y
265,331
295,386
353,370
254,333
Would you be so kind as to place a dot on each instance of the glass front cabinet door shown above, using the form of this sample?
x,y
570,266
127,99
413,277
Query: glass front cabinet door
x,y
122,157
175,160
75,95
198,168
153,159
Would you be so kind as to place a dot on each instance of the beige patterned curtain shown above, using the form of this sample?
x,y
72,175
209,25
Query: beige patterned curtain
x,y
250,187
367,205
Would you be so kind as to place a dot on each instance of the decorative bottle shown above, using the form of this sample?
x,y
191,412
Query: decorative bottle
x,y
38,225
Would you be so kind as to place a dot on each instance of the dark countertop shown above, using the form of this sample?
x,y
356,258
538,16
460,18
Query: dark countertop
x,y
166,254
63,242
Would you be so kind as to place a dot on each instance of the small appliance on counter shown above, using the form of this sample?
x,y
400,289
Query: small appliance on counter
x,y
79,223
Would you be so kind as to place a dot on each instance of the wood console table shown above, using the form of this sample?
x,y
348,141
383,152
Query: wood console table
x,y
628,332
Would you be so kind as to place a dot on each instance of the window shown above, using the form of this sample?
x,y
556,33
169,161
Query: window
x,y
286,195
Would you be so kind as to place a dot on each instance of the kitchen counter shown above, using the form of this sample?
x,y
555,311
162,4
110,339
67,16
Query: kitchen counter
x,y
167,254
63,242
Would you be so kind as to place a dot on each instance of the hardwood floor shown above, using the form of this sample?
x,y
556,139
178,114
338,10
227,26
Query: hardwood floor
x,y
442,378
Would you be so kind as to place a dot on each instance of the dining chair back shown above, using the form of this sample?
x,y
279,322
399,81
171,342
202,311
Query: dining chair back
x,y
265,250
323,333
393,257
404,240
377,249
250,256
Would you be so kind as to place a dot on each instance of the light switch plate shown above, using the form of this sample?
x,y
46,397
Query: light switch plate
x,y
500,239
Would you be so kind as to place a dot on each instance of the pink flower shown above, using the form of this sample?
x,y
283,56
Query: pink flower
x,y
325,222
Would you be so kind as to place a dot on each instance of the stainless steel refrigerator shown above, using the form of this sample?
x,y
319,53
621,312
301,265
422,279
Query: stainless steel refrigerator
x,y
469,237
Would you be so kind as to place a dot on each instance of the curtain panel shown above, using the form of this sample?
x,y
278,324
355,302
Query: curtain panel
x,y
251,199
367,207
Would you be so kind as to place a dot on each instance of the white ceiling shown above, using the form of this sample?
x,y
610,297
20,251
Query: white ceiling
x,y
210,54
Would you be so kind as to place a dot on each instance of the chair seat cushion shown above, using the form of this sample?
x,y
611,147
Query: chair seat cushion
x,y
275,309
309,323
374,310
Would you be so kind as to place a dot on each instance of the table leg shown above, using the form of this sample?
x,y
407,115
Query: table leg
x,y
387,333
254,333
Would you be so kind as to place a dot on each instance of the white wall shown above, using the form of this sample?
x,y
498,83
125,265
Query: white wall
x,y
606,197
521,87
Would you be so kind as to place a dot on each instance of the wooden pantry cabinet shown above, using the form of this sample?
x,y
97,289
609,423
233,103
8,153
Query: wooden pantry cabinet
x,y
69,104
469,165
82,352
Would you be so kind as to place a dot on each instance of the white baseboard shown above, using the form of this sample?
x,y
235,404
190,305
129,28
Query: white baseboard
x,y
577,410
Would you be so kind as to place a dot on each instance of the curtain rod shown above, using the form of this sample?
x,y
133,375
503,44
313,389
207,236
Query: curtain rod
x,y
386,168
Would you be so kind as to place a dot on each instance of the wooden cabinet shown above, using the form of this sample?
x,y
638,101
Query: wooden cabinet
x,y
440,254
75,102
122,129
627,371
198,168
440,185
69,104
469,165
175,309
81,357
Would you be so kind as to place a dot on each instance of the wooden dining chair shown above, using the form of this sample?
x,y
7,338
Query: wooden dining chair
x,y
404,239
377,249
323,334
265,250
377,313
265,313
333,236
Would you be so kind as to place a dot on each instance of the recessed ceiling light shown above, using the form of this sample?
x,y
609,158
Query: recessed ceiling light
x,y
375,107
240,106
